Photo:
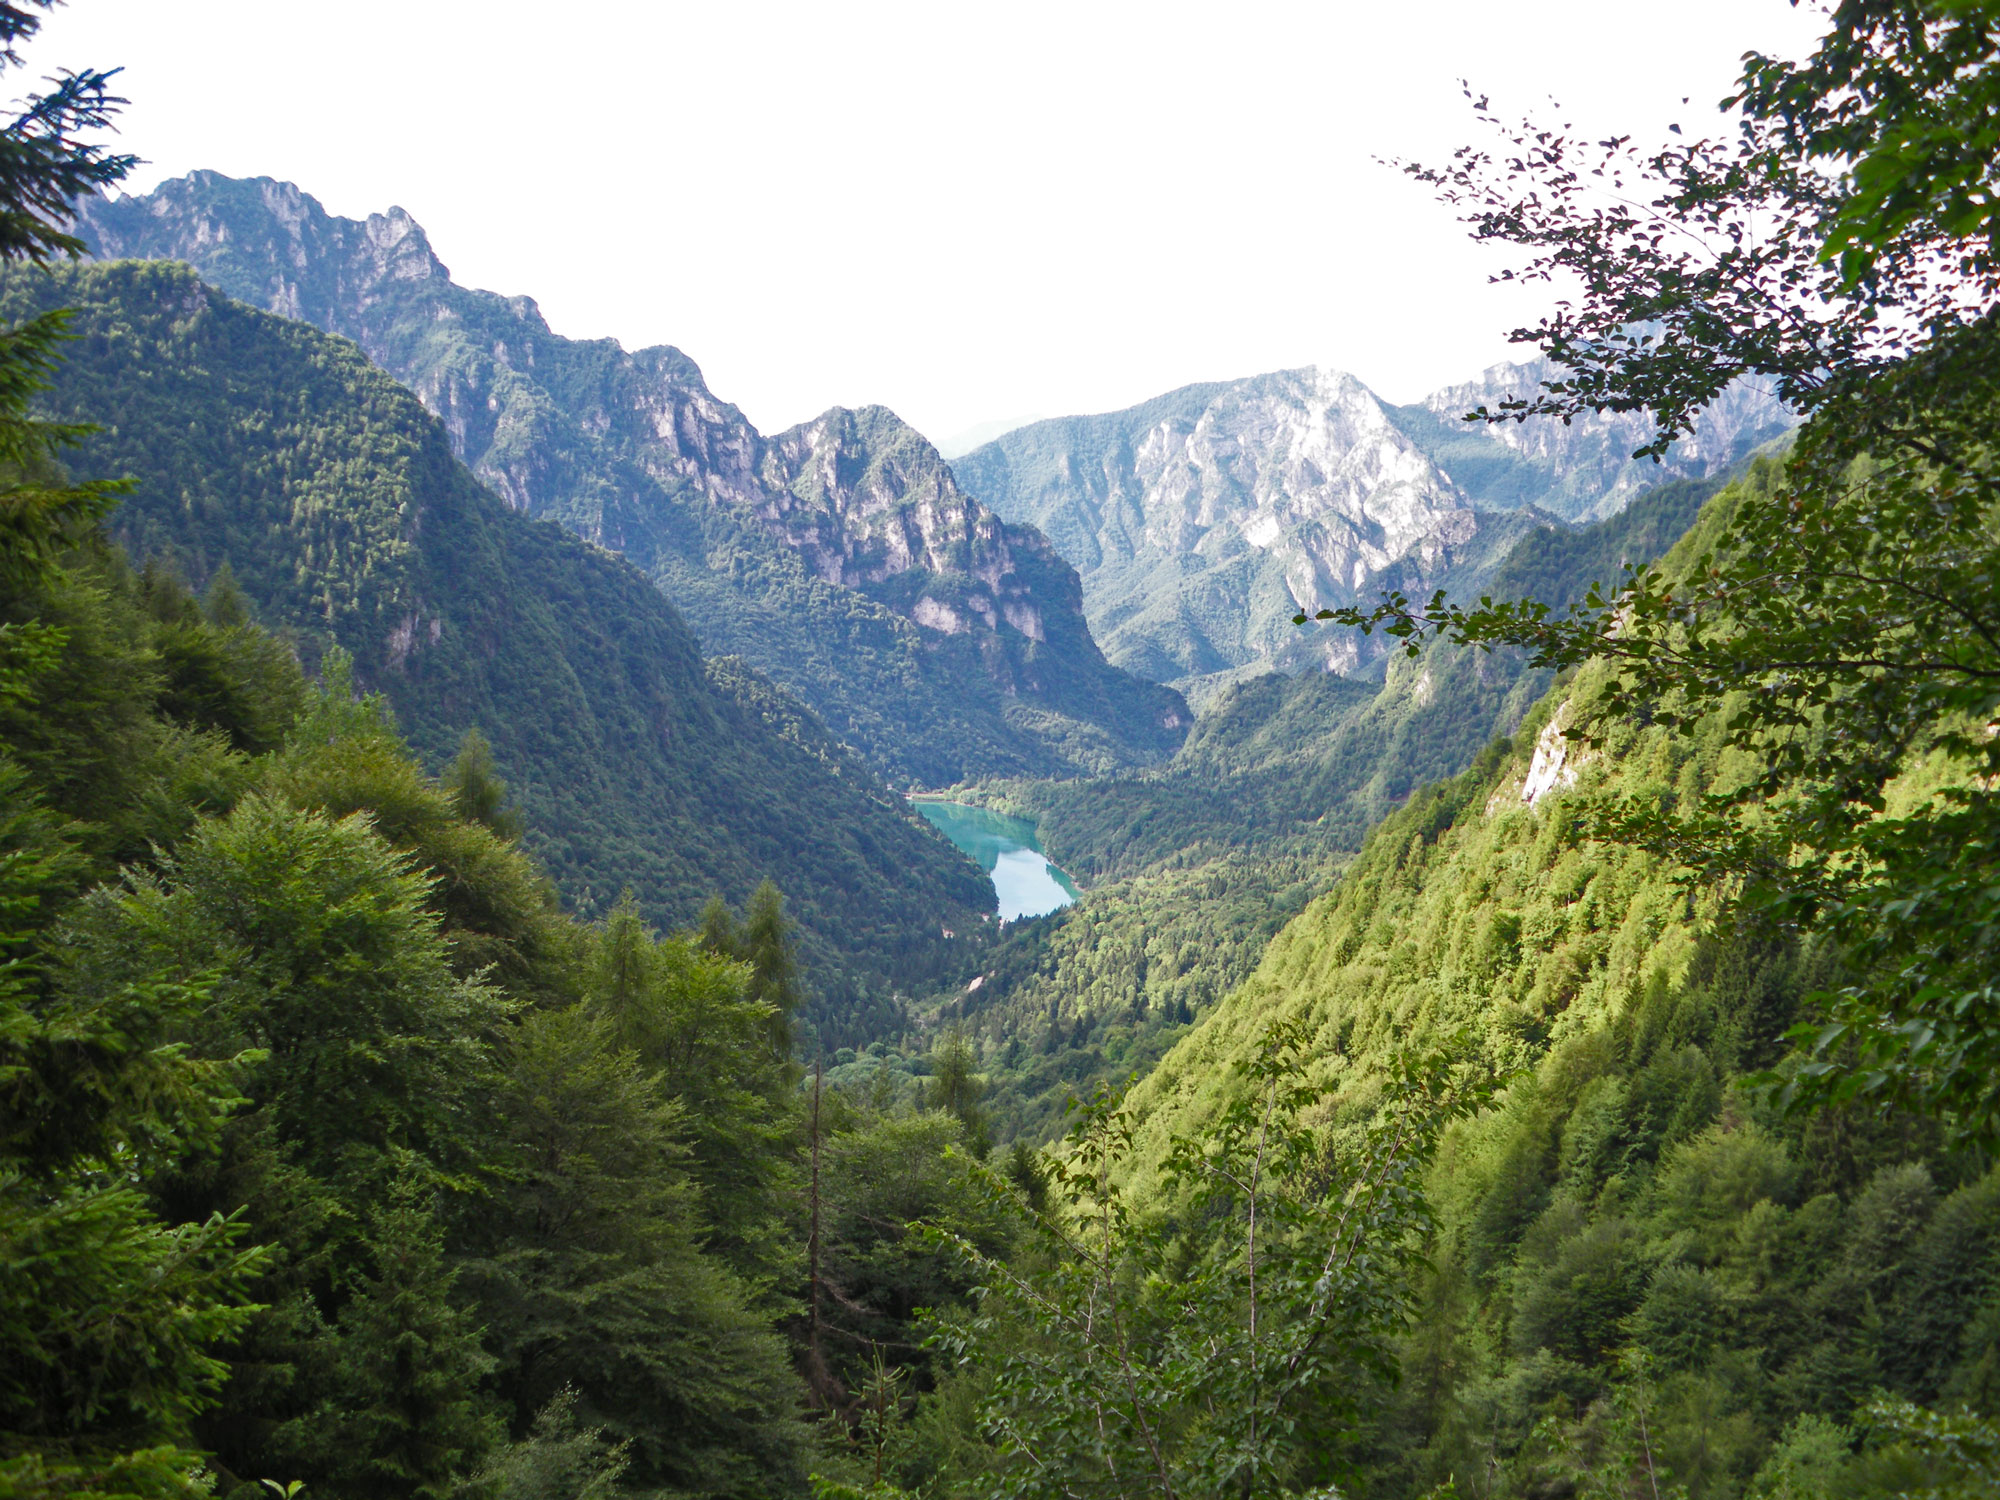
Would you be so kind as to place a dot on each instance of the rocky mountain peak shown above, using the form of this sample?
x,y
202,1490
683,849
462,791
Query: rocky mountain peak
x,y
635,453
403,252
866,497
1584,469
272,243
859,494
1203,520
1304,464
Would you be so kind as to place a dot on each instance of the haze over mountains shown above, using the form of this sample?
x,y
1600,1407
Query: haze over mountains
x,y
334,499
946,618
1202,520
941,620
841,557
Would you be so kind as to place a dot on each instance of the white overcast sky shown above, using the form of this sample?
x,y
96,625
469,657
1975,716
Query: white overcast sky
x,y
964,211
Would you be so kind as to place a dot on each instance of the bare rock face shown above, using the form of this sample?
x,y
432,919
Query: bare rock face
x,y
1584,470
864,498
1304,468
840,557
1203,520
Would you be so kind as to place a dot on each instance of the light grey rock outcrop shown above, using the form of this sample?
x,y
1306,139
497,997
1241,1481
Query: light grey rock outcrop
x,y
1204,520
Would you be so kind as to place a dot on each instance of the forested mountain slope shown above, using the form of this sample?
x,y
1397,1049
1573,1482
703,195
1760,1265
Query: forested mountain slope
x,y
1487,868
1189,870
1188,875
1275,754
1632,1219
839,558
333,1147
1202,520
336,501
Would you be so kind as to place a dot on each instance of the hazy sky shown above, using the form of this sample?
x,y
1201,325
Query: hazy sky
x,y
965,211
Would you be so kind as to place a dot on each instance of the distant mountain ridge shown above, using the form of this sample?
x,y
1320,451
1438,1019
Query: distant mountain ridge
x,y
1204,519
1582,470
840,557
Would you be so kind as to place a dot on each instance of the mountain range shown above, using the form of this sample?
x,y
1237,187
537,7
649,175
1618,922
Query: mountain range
x,y
336,502
942,620
839,557
1203,520
945,618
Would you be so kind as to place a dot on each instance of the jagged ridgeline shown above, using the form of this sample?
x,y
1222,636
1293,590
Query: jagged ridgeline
x,y
336,501
840,557
1630,1204
1203,519
1278,755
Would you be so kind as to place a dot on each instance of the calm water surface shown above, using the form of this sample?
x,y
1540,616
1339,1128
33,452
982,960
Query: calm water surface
x,y
1027,884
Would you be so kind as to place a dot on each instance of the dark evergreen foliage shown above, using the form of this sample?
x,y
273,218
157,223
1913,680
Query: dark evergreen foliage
x,y
335,501
334,1154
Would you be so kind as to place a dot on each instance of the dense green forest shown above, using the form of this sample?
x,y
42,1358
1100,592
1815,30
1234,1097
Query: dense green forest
x,y
334,1150
1588,1088
331,495
1193,868
1634,1224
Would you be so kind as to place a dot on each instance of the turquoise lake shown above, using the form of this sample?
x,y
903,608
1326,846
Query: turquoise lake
x,y
1027,884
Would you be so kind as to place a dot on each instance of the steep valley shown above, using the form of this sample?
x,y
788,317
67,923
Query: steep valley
x,y
1391,864
335,501
1191,868
839,558
555,945
948,646
1636,1217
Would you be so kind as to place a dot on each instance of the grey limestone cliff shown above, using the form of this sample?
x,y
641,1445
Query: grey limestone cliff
x,y
840,557
1203,520
1582,470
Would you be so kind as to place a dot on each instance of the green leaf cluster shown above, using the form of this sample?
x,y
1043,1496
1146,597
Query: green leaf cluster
x,y
1231,1336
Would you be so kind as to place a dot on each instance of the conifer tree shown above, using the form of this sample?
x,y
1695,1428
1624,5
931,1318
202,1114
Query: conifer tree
x,y
476,791
956,1087
225,603
404,1417
110,1318
764,942
686,1013
715,929
591,1273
